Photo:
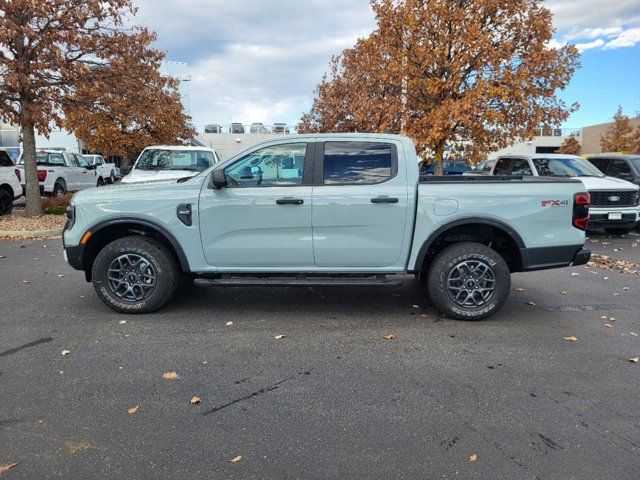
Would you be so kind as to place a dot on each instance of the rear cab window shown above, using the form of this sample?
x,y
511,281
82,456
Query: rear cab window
x,y
358,163
5,159
50,159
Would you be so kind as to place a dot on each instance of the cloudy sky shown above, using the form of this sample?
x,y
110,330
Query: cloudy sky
x,y
259,61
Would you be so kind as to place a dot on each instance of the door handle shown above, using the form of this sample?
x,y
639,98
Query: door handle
x,y
384,199
289,201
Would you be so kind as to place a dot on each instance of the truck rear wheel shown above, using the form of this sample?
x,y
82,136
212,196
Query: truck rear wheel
x,y
468,281
135,274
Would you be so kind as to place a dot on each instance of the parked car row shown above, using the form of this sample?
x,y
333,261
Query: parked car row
x,y
615,200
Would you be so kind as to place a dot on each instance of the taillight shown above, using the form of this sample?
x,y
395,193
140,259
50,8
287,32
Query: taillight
x,y
42,175
581,203
18,174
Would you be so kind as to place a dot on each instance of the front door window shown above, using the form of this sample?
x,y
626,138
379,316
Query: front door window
x,y
277,165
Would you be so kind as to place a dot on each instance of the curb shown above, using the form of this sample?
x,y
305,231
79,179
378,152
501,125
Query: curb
x,y
20,234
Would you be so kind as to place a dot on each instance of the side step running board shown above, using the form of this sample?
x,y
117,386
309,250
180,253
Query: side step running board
x,y
297,281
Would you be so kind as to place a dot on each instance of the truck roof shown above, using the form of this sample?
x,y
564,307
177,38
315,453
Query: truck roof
x,y
538,155
179,147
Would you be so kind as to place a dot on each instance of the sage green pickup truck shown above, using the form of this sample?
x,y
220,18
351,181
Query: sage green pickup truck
x,y
327,209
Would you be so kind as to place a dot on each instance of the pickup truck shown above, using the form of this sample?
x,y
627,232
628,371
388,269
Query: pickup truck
x,y
61,172
165,162
10,188
326,209
615,203
107,171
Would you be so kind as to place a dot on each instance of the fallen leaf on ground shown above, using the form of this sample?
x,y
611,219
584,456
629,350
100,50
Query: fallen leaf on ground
x,y
194,400
616,294
564,292
60,275
625,288
236,459
2,257
279,337
26,281
519,289
608,325
416,306
170,375
635,359
424,315
603,317
633,333
571,338
593,273
391,336
229,323
204,362
75,447
575,274
473,458
133,409
531,303
6,467
65,352
122,322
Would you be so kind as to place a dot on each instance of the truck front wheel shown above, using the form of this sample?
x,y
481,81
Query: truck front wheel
x,y
135,274
468,281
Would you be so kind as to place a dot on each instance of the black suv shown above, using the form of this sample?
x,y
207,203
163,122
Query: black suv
x,y
625,167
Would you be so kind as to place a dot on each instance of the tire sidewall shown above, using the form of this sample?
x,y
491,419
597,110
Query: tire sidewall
x,y
151,253
455,255
59,186
7,195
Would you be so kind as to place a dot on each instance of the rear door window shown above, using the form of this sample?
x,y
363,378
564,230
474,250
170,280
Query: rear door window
x,y
503,166
520,167
358,163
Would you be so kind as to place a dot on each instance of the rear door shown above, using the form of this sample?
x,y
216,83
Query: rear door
x,y
360,204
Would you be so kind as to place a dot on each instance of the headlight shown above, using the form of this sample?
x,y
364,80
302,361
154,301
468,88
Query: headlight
x,y
71,216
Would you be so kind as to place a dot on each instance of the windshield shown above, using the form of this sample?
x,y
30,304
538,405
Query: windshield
x,y
158,159
457,166
565,167
636,162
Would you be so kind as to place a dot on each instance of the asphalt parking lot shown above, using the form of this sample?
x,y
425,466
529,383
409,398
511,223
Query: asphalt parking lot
x,y
333,399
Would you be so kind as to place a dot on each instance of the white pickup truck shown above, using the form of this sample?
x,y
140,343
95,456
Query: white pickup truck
x,y
62,172
169,162
107,171
615,203
10,187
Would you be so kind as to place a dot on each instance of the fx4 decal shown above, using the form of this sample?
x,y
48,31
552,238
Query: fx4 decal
x,y
555,203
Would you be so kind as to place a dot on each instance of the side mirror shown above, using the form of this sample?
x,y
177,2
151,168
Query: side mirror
x,y
125,170
218,180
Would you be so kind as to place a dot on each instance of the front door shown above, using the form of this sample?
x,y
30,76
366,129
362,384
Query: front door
x,y
262,219
360,205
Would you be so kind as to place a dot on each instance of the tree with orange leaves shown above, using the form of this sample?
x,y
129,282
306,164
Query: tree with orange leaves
x,y
121,115
619,137
448,71
570,146
52,50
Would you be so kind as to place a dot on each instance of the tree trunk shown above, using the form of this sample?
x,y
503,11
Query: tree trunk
x,y
34,204
437,161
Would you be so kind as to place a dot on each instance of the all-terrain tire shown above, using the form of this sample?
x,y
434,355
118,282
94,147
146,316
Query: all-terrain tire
x,y
163,264
446,263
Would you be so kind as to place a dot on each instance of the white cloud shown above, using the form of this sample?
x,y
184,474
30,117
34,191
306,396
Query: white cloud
x,y
598,42
628,38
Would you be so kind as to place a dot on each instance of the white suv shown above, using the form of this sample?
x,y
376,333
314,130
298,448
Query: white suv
x,y
10,187
614,202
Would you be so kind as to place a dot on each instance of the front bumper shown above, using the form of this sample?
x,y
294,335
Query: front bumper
x,y
599,217
553,257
